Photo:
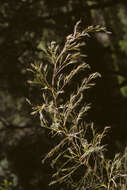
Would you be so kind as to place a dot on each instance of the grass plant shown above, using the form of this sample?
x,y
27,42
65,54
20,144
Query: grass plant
x,y
78,160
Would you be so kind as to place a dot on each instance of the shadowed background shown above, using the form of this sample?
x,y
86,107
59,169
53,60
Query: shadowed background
x,y
25,28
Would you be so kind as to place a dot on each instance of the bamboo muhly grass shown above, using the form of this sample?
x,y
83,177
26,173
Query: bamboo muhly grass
x,y
64,118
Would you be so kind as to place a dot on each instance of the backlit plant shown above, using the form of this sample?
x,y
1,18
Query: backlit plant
x,y
64,117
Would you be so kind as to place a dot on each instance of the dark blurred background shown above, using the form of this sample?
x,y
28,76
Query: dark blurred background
x,y
25,28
